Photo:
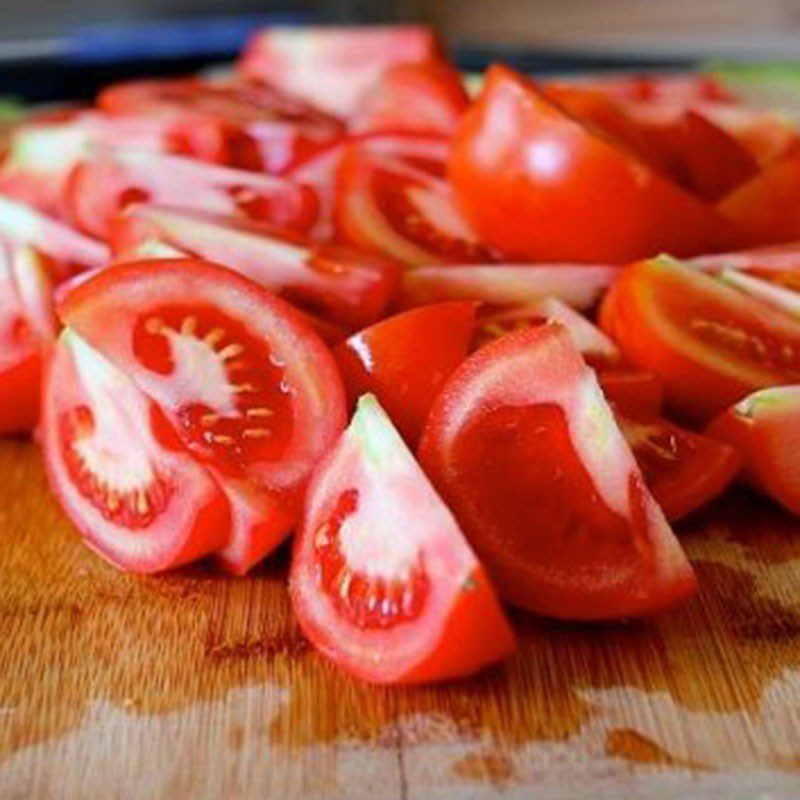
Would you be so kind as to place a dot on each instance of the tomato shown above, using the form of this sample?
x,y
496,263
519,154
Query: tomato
x,y
405,359
101,187
341,284
538,185
135,494
427,97
524,449
711,344
27,332
250,124
683,470
250,389
632,391
333,67
763,427
426,151
579,285
67,250
388,206
766,206
382,579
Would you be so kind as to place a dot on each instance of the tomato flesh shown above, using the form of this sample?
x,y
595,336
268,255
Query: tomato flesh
x,y
382,580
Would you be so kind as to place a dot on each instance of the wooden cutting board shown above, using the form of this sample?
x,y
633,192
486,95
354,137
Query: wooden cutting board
x,y
194,685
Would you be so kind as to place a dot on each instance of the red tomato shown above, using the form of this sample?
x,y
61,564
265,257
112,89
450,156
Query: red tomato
x,y
250,124
405,359
538,185
632,391
345,285
764,428
333,67
135,494
382,580
683,470
579,285
522,446
27,332
711,344
388,206
101,187
427,97
250,389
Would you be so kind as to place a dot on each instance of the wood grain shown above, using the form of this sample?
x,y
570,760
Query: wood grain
x,y
197,686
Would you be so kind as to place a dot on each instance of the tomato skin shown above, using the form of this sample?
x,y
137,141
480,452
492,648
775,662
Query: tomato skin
x,y
763,427
20,388
454,624
632,391
194,520
405,359
537,185
504,478
711,344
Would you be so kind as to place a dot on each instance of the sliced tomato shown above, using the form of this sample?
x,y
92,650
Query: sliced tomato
x,y
383,581
523,447
538,185
683,470
579,285
68,250
27,332
252,125
427,97
764,428
333,67
633,391
711,344
405,359
135,494
341,284
388,206
250,389
101,187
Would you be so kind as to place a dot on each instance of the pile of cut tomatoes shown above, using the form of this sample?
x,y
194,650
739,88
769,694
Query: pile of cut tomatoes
x,y
447,343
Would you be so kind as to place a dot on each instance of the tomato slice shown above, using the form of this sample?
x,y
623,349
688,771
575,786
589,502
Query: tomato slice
x,y
383,581
711,344
27,332
68,251
683,470
522,446
101,187
538,185
405,359
250,389
674,88
387,206
341,284
579,285
333,67
763,427
632,391
427,97
136,495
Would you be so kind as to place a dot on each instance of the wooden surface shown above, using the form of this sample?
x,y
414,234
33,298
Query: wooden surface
x,y
197,686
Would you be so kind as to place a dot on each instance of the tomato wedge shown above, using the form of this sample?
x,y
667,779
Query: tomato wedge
x,y
101,187
250,389
391,207
538,185
683,470
579,285
344,285
764,428
333,67
405,359
427,97
711,344
522,446
27,332
383,581
135,494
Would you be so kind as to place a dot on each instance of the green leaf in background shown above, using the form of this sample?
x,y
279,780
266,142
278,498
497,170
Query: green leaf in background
x,y
774,86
